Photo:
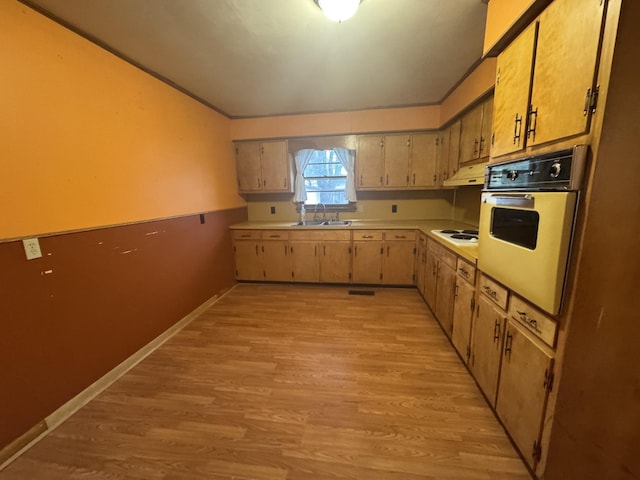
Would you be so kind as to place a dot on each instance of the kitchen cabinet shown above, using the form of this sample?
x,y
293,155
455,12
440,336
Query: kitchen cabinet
x,y
550,70
247,252
421,263
463,308
397,155
335,257
526,378
305,262
367,256
475,132
396,161
488,336
423,160
276,256
453,150
370,162
440,283
263,167
398,266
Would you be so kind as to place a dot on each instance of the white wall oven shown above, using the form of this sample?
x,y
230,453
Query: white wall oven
x,y
527,216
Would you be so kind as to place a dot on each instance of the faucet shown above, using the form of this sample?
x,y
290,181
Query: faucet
x,y
324,210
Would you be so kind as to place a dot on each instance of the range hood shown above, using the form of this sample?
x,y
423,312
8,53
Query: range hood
x,y
471,175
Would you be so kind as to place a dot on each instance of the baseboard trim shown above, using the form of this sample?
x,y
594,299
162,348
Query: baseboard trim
x,y
23,443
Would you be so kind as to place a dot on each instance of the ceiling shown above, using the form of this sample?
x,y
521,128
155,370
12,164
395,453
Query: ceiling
x,y
251,58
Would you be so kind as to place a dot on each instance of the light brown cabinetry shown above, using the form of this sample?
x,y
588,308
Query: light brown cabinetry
x,y
488,336
475,132
321,256
463,308
263,167
398,265
247,252
370,162
276,256
396,162
557,87
440,283
367,256
421,263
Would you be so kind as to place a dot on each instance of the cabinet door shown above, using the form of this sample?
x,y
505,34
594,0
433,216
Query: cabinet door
x,y
275,258
423,159
445,296
442,157
524,386
396,160
462,316
485,130
276,171
565,69
369,162
248,167
248,259
431,279
335,262
486,346
453,152
305,262
398,263
421,264
511,95
367,262
471,125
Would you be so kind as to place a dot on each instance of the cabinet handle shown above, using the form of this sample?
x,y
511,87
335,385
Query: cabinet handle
x,y
490,292
324,250
387,251
401,236
367,236
475,147
496,331
526,319
533,120
463,272
414,178
285,182
508,343
315,250
256,249
517,129
360,179
355,251
258,182
587,101
285,251
387,179
481,146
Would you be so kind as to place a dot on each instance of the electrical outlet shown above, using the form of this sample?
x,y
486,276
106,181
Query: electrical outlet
x,y
273,210
394,208
32,248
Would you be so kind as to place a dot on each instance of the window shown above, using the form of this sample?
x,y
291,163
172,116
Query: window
x,y
325,176
325,179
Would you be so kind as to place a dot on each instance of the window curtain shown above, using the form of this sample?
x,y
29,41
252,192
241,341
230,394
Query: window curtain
x,y
348,160
302,159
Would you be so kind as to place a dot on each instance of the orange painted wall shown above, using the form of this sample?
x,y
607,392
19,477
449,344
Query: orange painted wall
x,y
501,14
89,140
479,82
363,121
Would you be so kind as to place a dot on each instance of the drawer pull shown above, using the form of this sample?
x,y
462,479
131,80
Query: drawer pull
x,y
401,236
464,273
526,319
490,292
274,236
367,236
508,343
496,331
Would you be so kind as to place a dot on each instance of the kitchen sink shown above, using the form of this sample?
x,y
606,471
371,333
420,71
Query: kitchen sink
x,y
322,223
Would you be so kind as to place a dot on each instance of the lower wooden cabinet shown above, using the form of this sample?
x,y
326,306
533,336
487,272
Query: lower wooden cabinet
x,y
398,265
305,263
367,256
526,377
247,250
335,261
486,346
463,308
276,256
440,279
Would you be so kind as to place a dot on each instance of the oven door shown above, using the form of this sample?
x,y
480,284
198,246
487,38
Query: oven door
x,y
524,242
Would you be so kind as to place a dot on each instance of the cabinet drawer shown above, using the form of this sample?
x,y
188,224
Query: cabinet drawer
x,y
422,240
495,291
408,235
535,321
467,271
246,234
275,235
320,235
367,235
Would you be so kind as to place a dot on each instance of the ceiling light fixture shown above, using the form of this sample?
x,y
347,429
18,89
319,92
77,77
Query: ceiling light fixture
x,y
338,10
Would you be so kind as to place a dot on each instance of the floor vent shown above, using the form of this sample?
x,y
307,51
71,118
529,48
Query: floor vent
x,y
361,292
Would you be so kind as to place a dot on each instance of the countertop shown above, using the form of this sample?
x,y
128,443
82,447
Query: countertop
x,y
469,253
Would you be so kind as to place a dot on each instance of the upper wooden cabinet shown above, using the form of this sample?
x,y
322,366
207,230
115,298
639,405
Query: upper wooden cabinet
x,y
475,132
396,161
551,97
263,167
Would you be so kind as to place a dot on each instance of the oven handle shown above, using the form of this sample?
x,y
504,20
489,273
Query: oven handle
x,y
525,200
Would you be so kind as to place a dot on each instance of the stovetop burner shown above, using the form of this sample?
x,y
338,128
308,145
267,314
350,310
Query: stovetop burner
x,y
458,237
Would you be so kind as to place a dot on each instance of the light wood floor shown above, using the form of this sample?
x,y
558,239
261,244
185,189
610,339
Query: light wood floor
x,y
288,382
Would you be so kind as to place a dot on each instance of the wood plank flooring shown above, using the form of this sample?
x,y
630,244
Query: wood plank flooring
x,y
280,382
